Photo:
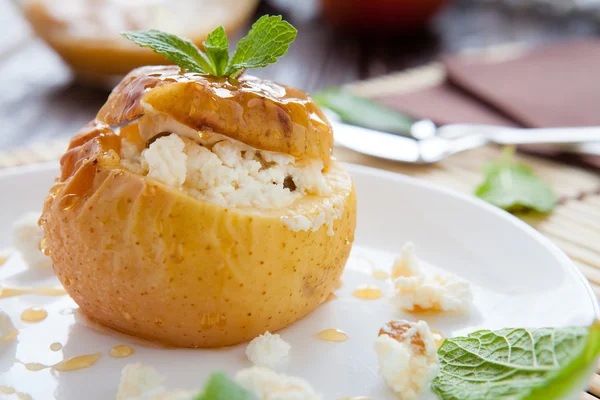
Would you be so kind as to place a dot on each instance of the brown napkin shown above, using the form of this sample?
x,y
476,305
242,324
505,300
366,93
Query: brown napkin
x,y
552,86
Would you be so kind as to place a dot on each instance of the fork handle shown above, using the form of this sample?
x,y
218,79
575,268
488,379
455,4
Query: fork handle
x,y
547,135
504,135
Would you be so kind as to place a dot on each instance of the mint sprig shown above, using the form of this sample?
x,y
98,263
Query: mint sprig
x,y
514,187
172,47
268,40
216,47
516,364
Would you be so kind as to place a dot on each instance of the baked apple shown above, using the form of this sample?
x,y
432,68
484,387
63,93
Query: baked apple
x,y
200,211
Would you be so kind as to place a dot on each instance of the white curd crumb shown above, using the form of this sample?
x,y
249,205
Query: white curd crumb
x,y
27,236
140,382
266,384
137,380
267,350
7,328
407,357
166,161
437,293
406,264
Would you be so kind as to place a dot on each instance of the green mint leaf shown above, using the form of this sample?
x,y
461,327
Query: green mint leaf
x,y
517,364
216,47
220,387
360,111
175,49
269,38
514,187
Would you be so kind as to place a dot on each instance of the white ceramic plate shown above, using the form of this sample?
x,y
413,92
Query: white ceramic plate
x,y
519,279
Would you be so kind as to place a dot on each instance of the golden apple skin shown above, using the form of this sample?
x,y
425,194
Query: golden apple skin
x,y
148,260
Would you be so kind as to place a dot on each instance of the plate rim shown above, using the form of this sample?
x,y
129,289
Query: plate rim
x,y
557,253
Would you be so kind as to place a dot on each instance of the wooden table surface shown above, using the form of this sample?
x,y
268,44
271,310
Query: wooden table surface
x,y
40,100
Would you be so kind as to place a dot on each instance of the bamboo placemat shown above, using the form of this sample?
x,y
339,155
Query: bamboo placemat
x,y
574,225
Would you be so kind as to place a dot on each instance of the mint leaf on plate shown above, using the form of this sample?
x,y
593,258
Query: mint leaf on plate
x,y
516,364
360,111
514,187
220,387
216,47
269,38
174,48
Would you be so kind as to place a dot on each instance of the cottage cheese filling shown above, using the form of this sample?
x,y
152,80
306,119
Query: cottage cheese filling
x,y
231,174
228,173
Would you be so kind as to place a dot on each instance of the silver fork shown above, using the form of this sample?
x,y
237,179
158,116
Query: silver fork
x,y
436,143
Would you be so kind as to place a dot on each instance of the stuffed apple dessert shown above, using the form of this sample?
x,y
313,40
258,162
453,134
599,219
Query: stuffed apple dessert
x,y
202,207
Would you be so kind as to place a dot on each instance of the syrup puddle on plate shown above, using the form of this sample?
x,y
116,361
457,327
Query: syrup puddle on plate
x,y
380,275
34,314
121,351
6,390
11,390
56,346
43,291
367,292
70,364
332,335
33,366
75,363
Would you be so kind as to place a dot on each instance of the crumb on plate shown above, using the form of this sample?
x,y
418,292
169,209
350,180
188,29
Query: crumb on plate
x,y
267,350
415,291
407,357
406,264
437,293
141,382
266,384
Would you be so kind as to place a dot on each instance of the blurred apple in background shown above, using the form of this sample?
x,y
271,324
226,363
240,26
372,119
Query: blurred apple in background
x,y
86,33
381,15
